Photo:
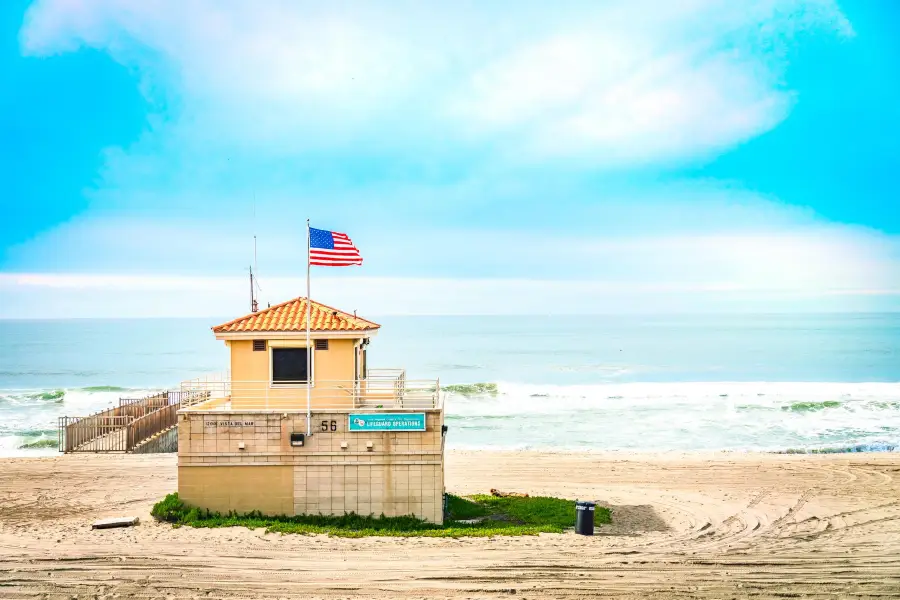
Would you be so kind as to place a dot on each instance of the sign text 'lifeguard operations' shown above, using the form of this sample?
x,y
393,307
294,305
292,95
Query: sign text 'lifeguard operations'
x,y
387,422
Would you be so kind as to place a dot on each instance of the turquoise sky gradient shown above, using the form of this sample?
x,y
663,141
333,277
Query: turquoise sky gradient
x,y
485,157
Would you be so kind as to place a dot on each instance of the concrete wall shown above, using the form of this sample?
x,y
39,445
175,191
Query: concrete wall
x,y
401,474
167,441
251,376
268,489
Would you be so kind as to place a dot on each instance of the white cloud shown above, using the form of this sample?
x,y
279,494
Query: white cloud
x,y
598,85
653,81
608,83
768,259
688,236
128,296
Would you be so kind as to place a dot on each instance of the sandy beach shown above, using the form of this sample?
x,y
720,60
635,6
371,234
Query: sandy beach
x,y
685,526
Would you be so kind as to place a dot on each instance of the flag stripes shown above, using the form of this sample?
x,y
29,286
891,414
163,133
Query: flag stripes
x,y
332,249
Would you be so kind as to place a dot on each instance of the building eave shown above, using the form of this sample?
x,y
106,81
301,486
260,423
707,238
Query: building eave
x,y
296,335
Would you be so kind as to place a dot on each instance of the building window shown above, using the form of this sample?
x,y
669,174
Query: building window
x,y
259,345
321,344
289,366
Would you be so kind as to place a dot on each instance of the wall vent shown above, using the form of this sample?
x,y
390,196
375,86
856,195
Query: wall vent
x,y
259,345
321,344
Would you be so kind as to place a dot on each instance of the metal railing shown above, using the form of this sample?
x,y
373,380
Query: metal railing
x,y
213,387
381,390
386,373
189,397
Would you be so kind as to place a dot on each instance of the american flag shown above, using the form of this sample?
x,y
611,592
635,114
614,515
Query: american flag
x,y
332,249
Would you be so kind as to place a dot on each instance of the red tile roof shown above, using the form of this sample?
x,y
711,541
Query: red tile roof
x,y
291,316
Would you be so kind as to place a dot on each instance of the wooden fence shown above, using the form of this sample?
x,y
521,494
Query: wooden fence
x,y
96,433
121,428
146,427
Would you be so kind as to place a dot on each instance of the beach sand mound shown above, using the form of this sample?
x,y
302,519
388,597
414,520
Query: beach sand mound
x,y
684,526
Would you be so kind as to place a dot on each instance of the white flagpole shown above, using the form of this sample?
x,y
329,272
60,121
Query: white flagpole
x,y
309,349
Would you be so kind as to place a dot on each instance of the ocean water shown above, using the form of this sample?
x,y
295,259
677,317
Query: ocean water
x,y
655,383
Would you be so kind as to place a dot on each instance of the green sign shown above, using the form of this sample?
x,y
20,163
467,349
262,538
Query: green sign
x,y
387,422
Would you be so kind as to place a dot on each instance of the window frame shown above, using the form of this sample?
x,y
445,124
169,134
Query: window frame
x,y
285,345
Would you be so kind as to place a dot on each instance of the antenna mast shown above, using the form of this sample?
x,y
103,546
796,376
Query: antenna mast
x,y
254,305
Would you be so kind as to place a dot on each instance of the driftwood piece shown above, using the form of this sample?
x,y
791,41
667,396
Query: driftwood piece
x,y
117,522
500,494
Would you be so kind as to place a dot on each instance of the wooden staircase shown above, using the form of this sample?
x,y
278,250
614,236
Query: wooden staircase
x,y
121,428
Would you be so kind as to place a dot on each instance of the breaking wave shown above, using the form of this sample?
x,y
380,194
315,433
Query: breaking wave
x,y
28,417
793,417
757,416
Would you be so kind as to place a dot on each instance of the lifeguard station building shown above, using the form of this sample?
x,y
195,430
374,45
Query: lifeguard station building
x,y
270,436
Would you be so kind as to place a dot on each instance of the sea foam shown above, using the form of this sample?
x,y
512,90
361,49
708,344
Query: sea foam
x,y
28,418
775,416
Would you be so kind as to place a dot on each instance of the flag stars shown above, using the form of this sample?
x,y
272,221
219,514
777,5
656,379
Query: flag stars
x,y
319,238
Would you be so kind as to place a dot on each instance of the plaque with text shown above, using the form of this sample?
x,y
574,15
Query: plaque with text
x,y
387,422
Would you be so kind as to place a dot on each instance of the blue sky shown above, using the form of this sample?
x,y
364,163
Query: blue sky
x,y
485,157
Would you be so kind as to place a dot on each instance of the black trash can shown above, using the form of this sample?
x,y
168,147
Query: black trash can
x,y
584,517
